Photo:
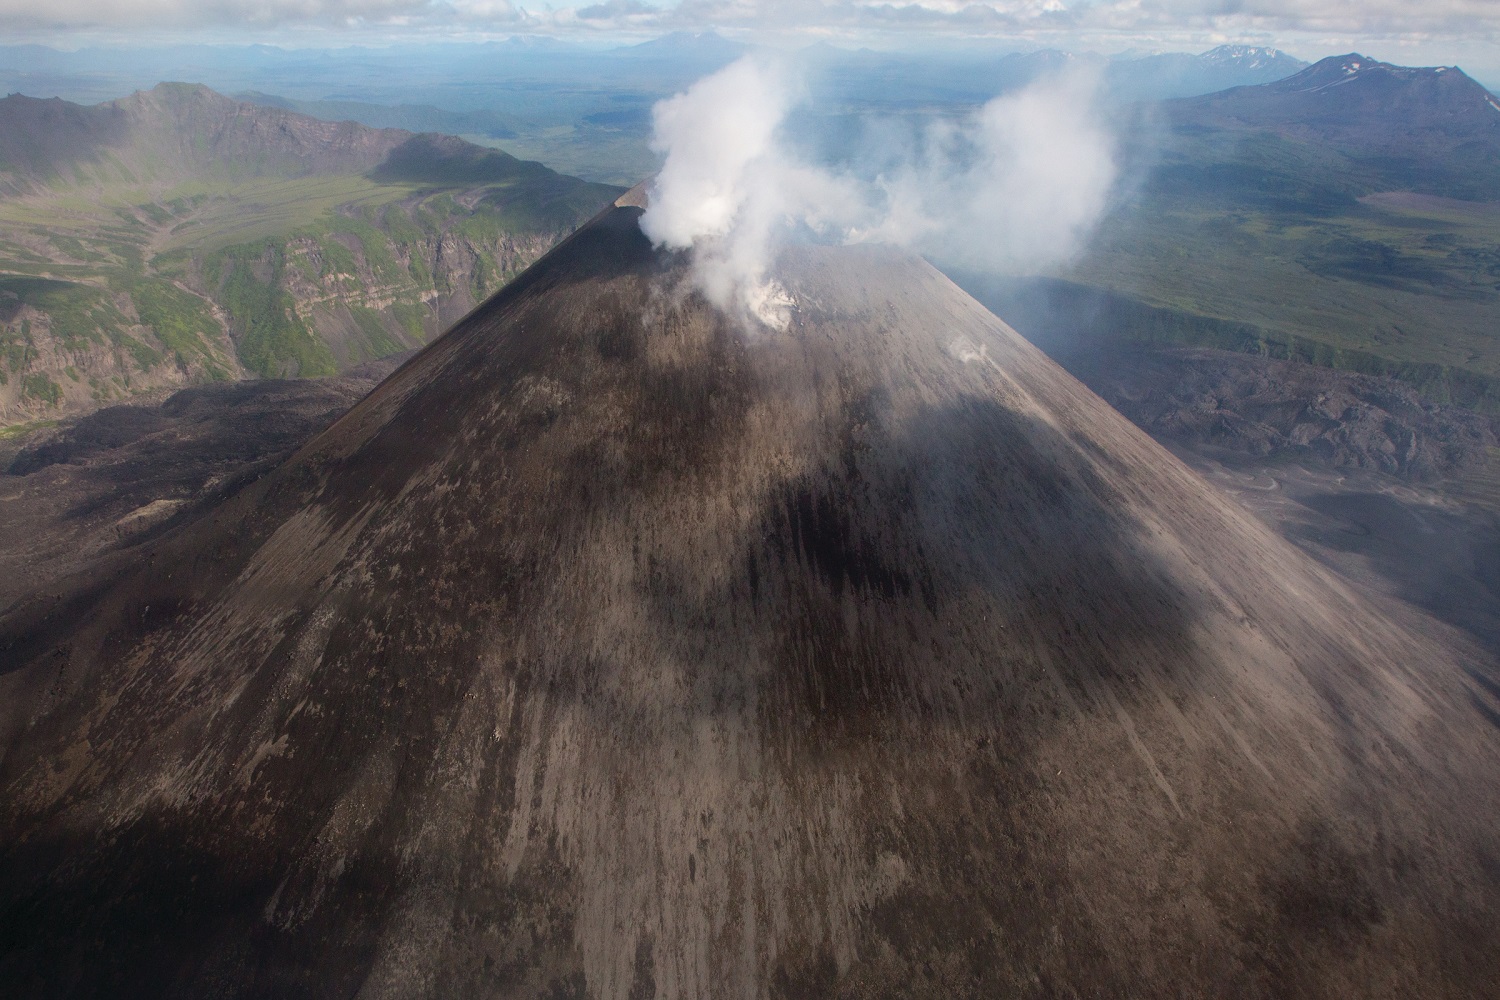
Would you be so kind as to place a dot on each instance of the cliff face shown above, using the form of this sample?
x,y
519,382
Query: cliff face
x,y
70,347
177,236
357,288
607,651
313,303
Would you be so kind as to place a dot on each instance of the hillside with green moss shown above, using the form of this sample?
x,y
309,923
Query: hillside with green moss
x,y
178,237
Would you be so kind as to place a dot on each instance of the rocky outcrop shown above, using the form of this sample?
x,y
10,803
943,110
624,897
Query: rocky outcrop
x,y
69,348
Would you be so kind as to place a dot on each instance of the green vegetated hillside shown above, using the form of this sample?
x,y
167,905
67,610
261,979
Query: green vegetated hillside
x,y
1348,216
177,237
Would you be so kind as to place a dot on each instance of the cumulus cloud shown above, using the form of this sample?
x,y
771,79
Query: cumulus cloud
x,y
1016,186
618,10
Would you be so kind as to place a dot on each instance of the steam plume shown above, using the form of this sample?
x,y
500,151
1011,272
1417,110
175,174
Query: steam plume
x,y
1016,186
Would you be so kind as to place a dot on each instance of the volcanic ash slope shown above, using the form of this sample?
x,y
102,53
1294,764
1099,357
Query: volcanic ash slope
x,y
606,651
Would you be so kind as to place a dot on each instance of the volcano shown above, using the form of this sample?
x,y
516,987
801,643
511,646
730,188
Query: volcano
x,y
1433,130
606,650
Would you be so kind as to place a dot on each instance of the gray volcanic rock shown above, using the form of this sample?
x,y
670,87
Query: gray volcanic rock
x,y
606,651
1288,410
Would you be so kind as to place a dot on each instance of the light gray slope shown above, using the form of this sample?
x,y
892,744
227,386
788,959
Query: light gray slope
x,y
604,651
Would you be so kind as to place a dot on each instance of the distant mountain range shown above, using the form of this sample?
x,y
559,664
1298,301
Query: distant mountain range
x,y
173,132
177,236
1364,125
894,79
596,120
457,77
585,110
1355,100
1179,75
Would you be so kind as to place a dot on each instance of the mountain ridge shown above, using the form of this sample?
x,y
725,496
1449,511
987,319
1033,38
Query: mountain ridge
x,y
205,129
182,126
1169,75
1370,109
177,235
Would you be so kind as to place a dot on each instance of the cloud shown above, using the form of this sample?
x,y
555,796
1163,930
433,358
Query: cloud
x,y
178,14
617,10
1016,186
715,136
1018,17
730,191
1010,17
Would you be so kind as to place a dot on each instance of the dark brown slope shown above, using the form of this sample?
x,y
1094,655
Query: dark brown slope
x,y
605,652
113,479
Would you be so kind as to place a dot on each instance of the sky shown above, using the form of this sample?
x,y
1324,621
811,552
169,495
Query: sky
x,y
1418,32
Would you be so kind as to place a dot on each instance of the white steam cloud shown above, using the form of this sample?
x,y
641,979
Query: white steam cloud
x,y
1016,186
